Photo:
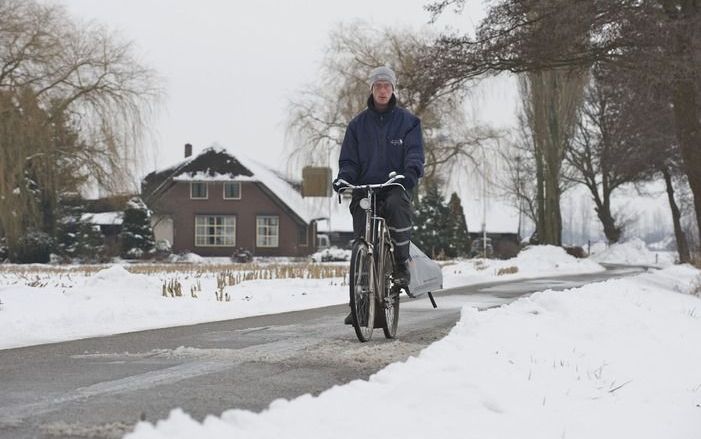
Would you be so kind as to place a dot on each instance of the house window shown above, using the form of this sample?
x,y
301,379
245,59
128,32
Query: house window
x,y
215,231
198,190
232,190
267,231
302,236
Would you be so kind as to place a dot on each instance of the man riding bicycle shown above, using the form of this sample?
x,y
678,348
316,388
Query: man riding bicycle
x,y
381,139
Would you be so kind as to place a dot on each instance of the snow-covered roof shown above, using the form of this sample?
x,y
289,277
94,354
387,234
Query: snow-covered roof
x,y
103,218
239,166
340,216
212,176
500,216
289,195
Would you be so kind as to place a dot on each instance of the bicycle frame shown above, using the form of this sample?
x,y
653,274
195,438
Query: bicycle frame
x,y
376,232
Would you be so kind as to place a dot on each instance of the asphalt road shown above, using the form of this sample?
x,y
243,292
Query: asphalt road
x,y
100,387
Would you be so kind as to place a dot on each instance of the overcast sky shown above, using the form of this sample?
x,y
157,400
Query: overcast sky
x,y
230,68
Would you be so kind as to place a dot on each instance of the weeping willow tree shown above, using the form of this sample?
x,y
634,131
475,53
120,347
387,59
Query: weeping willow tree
x,y
74,102
320,112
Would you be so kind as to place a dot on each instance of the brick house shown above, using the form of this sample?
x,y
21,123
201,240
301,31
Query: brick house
x,y
213,203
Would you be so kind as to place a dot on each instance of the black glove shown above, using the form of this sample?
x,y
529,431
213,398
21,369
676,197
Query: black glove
x,y
410,179
337,185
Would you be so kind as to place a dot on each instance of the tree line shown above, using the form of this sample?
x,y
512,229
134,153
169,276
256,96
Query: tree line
x,y
610,97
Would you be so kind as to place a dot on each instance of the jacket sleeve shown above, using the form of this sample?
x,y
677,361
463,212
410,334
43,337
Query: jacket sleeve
x,y
348,161
414,155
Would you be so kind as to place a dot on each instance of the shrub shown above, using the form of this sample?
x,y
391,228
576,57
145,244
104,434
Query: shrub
x,y
577,252
506,249
507,270
4,252
33,248
242,255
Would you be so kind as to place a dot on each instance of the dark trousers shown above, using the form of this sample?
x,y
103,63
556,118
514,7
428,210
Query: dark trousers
x,y
394,204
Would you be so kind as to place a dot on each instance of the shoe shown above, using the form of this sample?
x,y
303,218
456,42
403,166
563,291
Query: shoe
x,y
349,319
401,276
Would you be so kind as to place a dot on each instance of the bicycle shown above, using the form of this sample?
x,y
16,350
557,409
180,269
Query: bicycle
x,y
372,267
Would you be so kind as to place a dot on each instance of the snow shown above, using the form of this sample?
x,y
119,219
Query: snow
x,y
631,252
331,254
48,304
103,218
261,173
214,176
325,208
535,261
499,216
45,307
608,360
278,186
189,258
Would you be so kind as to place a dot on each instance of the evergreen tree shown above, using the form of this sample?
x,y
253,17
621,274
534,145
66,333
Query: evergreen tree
x,y
89,243
137,239
460,239
70,209
78,239
432,228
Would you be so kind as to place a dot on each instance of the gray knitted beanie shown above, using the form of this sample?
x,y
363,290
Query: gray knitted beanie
x,y
383,74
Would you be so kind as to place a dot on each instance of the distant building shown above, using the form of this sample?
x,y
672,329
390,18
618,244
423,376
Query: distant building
x,y
215,202
501,223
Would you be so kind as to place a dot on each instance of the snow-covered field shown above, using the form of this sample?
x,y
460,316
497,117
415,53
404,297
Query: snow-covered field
x,y
44,304
615,359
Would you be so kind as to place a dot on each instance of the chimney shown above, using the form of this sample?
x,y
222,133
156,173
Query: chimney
x,y
188,150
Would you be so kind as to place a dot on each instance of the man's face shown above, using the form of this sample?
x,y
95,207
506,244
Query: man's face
x,y
382,92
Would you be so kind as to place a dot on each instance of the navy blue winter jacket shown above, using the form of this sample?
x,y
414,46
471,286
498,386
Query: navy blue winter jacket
x,y
379,143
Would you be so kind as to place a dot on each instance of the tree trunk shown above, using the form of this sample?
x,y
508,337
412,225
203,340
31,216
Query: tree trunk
x,y
686,107
602,202
554,98
682,243
552,233
689,136
540,195
612,232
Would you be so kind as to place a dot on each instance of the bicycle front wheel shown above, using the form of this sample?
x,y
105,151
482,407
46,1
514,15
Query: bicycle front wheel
x,y
389,297
362,299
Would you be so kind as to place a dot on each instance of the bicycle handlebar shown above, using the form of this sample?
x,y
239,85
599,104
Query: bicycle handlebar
x,y
392,181
347,186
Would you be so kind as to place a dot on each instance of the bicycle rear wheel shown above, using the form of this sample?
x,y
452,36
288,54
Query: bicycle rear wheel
x,y
362,300
390,297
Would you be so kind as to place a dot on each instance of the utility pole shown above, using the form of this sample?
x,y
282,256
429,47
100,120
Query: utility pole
x,y
484,210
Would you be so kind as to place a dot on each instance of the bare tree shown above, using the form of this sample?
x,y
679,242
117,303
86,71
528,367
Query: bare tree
x,y
659,39
321,112
74,102
607,151
553,99
518,181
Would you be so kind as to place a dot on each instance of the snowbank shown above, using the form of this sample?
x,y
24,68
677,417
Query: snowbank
x,y
59,307
632,252
331,254
534,261
610,360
